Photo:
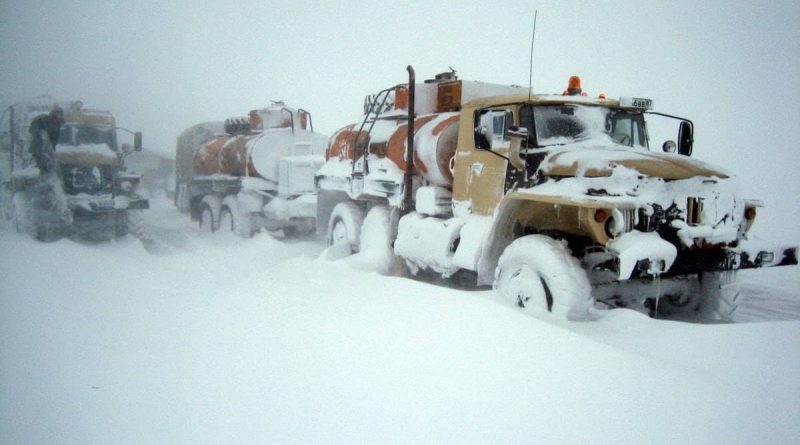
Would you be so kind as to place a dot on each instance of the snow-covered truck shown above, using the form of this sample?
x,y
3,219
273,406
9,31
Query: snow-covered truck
x,y
258,174
555,200
99,193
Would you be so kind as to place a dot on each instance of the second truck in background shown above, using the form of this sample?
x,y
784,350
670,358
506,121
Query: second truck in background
x,y
259,172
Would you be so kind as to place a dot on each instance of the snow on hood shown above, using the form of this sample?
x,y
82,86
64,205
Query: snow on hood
x,y
722,212
623,183
596,161
86,154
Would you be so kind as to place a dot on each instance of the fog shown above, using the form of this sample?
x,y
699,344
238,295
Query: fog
x,y
161,67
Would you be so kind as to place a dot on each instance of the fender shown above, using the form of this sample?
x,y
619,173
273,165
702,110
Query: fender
x,y
520,213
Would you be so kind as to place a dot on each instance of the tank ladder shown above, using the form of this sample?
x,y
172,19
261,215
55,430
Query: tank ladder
x,y
372,111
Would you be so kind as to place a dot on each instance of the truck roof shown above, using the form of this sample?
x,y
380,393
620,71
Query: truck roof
x,y
542,99
89,116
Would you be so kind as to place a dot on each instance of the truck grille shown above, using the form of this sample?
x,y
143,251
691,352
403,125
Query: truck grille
x,y
656,218
694,211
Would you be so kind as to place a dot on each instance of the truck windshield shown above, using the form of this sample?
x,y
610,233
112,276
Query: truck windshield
x,y
568,123
84,135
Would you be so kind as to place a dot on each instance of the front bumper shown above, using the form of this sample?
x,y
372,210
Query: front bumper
x,y
734,259
607,266
96,204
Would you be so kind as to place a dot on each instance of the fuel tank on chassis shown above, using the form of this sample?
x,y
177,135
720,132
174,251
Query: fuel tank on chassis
x,y
255,154
435,139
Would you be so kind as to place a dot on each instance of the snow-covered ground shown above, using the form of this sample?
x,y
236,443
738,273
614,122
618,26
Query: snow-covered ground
x,y
225,340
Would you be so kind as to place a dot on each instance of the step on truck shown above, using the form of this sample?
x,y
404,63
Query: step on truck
x,y
91,196
556,200
258,173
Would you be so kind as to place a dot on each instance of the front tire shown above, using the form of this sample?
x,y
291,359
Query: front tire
x,y
538,274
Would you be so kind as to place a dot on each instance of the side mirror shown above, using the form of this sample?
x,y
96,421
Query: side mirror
x,y
685,138
137,141
517,135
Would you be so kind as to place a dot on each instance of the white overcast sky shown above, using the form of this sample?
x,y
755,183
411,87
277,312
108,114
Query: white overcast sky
x,y
731,67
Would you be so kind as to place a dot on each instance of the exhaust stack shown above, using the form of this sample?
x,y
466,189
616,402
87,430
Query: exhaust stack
x,y
408,196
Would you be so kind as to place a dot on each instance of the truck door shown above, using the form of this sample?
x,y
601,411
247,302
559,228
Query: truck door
x,y
480,173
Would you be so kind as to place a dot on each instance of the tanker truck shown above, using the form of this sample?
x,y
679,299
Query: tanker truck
x,y
555,200
258,173
92,196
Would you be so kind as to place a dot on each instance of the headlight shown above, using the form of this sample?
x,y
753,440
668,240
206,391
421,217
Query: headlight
x,y
621,221
126,186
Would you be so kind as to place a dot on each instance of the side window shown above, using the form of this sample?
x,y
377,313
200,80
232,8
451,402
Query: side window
x,y
628,129
622,130
491,128
637,138
481,141
499,127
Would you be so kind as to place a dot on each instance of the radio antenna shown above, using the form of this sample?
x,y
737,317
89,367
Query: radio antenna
x,y
530,70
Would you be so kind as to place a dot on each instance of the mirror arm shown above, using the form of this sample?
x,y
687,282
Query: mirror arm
x,y
671,117
495,153
136,135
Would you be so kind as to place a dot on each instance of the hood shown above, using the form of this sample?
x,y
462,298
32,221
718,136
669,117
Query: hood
x,y
87,155
600,162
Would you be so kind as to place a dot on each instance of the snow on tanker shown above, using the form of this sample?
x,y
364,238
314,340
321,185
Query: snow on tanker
x,y
555,200
258,173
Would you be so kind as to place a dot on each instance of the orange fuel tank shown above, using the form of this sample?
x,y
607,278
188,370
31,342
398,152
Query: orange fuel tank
x,y
206,159
435,140
233,159
224,154
229,154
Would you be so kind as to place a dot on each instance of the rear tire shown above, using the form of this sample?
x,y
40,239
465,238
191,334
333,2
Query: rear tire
x,y
301,228
538,273
244,225
344,230
378,232
291,232
207,223
227,223
235,221
721,296
47,233
21,213
134,224
711,297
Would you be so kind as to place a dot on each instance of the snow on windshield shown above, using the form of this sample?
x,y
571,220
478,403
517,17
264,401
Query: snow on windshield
x,y
568,124
86,135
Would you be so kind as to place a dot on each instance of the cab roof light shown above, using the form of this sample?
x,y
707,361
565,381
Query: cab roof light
x,y
574,87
